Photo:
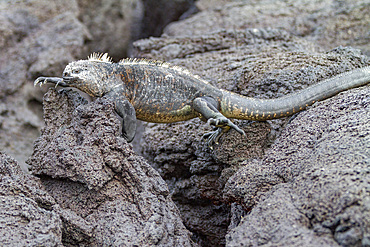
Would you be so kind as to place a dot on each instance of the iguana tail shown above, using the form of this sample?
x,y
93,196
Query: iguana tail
x,y
237,106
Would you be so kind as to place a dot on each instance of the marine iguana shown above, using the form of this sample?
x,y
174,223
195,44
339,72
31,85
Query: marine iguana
x,y
155,91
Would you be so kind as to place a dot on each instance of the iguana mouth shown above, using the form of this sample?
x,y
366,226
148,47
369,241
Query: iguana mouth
x,y
69,79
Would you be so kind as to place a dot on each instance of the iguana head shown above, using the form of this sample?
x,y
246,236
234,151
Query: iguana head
x,y
91,76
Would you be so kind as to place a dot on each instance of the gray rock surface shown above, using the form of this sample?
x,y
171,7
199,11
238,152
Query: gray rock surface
x,y
236,46
33,41
39,37
321,167
326,23
27,212
113,25
158,14
107,194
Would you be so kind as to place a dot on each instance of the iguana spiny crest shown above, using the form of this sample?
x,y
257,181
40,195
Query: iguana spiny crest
x,y
96,75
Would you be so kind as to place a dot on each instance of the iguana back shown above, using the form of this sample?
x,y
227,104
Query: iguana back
x,y
163,93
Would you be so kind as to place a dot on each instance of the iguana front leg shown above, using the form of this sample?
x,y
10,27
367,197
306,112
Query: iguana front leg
x,y
127,112
207,107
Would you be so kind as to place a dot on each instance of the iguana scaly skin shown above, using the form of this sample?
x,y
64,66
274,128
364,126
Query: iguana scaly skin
x,y
155,91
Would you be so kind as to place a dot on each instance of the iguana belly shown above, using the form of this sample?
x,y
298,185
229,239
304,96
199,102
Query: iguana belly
x,y
165,114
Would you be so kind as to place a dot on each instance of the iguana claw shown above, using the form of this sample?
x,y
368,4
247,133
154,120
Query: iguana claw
x,y
222,125
213,137
43,80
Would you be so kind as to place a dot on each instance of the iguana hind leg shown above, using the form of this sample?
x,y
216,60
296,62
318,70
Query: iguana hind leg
x,y
207,107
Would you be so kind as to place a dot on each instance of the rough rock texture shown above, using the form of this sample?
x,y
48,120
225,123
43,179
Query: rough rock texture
x,y
328,23
267,63
107,194
41,37
159,13
246,54
27,213
321,161
32,42
113,24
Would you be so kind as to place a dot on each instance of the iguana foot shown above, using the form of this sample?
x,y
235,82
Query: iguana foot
x,y
213,137
222,125
225,124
